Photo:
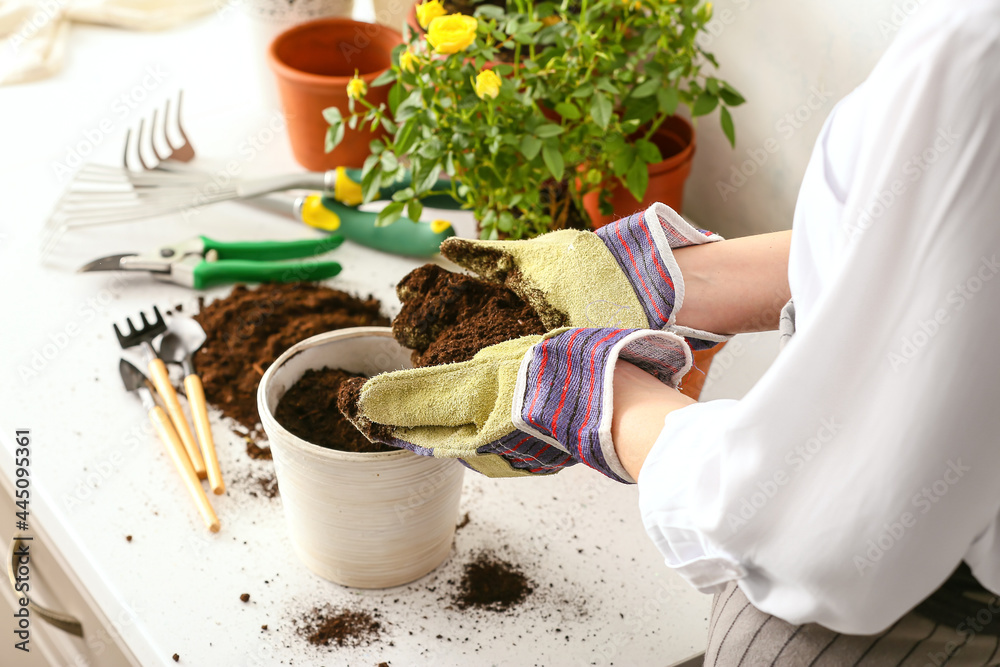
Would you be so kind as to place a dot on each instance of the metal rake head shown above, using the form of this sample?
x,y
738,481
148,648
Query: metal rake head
x,y
156,138
145,334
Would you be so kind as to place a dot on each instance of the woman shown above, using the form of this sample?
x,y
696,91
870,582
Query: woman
x,y
846,510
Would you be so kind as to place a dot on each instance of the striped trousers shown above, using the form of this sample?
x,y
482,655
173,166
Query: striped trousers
x,y
742,636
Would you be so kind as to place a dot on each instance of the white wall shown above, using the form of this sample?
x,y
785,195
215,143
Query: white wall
x,y
783,55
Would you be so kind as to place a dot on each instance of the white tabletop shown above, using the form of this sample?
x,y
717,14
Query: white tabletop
x,y
602,595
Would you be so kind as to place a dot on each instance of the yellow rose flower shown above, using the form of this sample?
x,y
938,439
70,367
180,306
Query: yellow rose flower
x,y
487,84
452,33
428,11
407,60
356,88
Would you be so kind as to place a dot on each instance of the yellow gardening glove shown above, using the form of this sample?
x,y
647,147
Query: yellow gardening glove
x,y
624,275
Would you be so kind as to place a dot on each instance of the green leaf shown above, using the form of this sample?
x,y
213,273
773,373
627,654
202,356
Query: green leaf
x,y
384,78
389,161
403,195
390,214
668,98
530,145
396,96
568,110
727,126
648,151
548,130
646,88
554,161
583,91
730,96
428,180
334,135
506,221
332,115
705,104
370,183
406,137
490,12
712,85
414,210
636,179
600,110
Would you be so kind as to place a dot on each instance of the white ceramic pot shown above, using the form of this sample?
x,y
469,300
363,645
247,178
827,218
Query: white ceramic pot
x,y
392,13
268,19
362,520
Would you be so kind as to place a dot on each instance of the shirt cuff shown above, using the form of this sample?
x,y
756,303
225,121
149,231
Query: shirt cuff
x,y
678,493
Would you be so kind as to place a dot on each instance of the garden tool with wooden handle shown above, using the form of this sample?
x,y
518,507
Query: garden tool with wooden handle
x,y
531,405
136,382
623,275
176,347
161,380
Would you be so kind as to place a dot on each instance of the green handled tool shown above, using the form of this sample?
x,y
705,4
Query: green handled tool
x,y
336,210
203,262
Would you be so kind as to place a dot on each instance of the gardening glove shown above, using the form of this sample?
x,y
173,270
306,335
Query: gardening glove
x,y
622,275
531,405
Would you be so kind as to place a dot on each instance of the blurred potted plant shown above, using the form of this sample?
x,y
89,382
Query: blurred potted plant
x,y
534,108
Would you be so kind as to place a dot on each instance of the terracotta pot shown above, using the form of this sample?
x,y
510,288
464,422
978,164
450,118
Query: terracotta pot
x,y
676,141
313,62
694,381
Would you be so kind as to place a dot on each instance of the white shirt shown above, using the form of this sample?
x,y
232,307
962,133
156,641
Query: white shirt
x,y
865,465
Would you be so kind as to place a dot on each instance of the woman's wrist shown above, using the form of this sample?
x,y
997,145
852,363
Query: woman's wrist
x,y
641,403
734,286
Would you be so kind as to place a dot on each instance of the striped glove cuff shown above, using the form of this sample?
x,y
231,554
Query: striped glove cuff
x,y
563,400
641,244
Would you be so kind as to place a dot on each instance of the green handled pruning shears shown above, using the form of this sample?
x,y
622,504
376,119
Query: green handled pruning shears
x,y
203,262
336,210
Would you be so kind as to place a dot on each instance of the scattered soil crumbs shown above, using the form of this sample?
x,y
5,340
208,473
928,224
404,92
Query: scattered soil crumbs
x,y
247,330
245,597
128,538
343,627
262,485
463,523
491,583
448,317
309,410
176,657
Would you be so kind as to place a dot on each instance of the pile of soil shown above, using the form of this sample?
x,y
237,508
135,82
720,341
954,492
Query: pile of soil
x,y
492,583
447,317
247,330
344,627
309,410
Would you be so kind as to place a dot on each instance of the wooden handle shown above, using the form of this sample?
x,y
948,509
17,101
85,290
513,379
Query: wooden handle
x,y
199,415
161,380
176,450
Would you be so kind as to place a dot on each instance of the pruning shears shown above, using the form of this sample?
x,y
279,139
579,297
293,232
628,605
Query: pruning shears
x,y
202,262
336,210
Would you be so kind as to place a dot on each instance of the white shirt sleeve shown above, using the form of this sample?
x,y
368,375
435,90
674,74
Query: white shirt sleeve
x,y
863,467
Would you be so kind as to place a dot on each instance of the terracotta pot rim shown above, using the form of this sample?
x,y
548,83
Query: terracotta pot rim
x,y
678,160
286,71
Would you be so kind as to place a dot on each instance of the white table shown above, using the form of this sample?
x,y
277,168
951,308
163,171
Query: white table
x,y
603,595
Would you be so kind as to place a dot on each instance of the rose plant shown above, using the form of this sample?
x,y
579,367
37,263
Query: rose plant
x,y
527,108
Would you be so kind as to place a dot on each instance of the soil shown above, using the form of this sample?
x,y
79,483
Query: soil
x,y
245,597
309,410
448,317
261,485
247,330
343,627
492,583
